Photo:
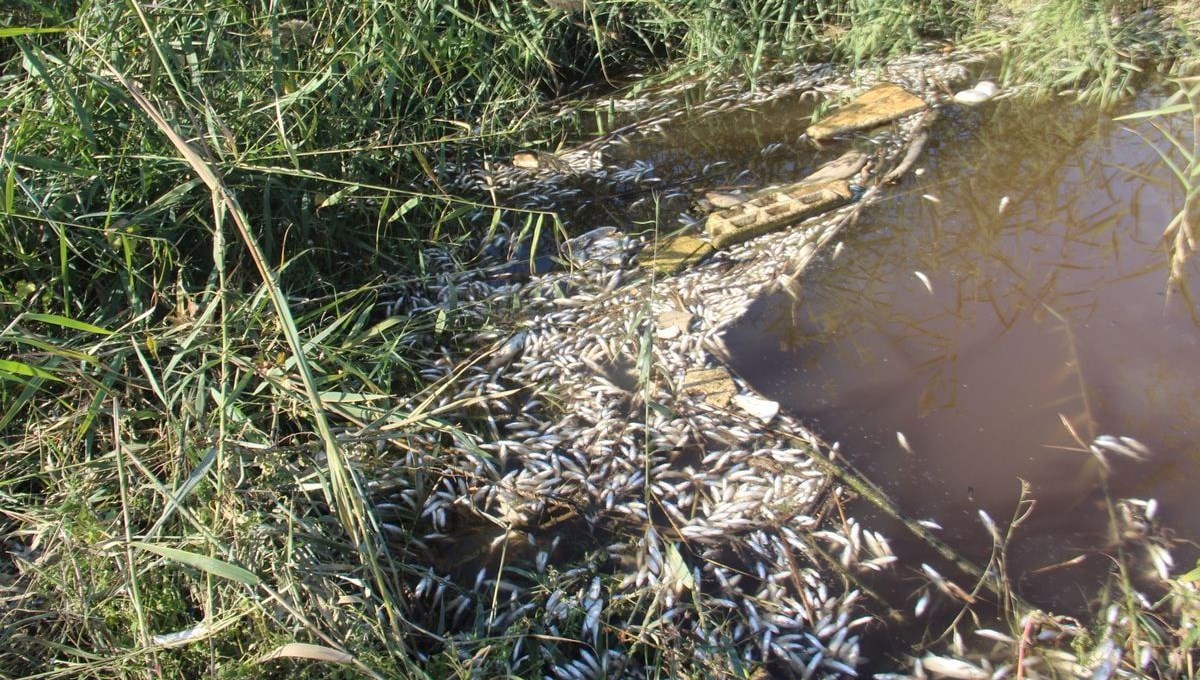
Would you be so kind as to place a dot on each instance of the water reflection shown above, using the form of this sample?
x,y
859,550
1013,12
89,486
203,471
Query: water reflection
x,y
1021,281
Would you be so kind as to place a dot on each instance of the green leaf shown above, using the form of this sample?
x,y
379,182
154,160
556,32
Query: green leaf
x,y
1192,576
43,163
70,323
18,31
1164,111
404,208
55,350
339,196
334,397
172,197
677,570
439,323
302,92
378,329
10,369
202,562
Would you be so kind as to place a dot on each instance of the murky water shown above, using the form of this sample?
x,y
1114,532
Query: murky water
x,y
1020,281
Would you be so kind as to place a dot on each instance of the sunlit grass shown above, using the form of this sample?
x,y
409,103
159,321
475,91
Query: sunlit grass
x,y
198,210
1098,50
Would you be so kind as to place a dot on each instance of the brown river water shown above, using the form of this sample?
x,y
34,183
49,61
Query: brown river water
x,y
1020,280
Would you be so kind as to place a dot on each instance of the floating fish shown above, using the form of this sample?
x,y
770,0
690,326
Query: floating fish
x,y
953,668
924,280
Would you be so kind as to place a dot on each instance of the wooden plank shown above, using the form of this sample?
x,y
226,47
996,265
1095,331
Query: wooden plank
x,y
880,104
773,210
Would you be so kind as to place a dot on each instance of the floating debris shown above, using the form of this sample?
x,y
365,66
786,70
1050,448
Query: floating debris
x,y
568,162
714,385
678,254
880,104
845,166
672,324
763,409
773,210
725,199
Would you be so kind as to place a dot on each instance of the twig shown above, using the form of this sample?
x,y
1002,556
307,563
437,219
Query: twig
x,y
1025,633
915,147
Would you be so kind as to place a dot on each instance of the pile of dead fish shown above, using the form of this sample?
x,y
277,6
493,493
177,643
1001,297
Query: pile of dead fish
x,y
618,488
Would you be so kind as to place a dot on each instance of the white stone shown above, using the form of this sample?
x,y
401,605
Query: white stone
x,y
668,333
982,92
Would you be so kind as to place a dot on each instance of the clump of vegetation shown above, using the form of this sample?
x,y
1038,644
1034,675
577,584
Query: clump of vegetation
x,y
1100,49
198,213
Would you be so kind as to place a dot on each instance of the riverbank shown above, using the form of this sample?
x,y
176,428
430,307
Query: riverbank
x,y
209,469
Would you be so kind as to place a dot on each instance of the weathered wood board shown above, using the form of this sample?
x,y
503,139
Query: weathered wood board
x,y
880,104
678,253
774,209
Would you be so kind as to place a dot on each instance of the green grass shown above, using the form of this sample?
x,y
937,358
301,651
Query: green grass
x,y
199,207
1183,158
1099,50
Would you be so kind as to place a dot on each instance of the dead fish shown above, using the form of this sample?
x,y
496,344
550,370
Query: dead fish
x,y
991,526
1125,446
995,635
922,605
509,351
844,167
953,668
924,280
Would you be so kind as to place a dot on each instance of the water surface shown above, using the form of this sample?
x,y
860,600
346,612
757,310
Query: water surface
x,y
1020,281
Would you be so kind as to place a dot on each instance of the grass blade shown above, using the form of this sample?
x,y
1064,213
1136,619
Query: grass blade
x,y
300,650
202,562
68,323
17,370
18,31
